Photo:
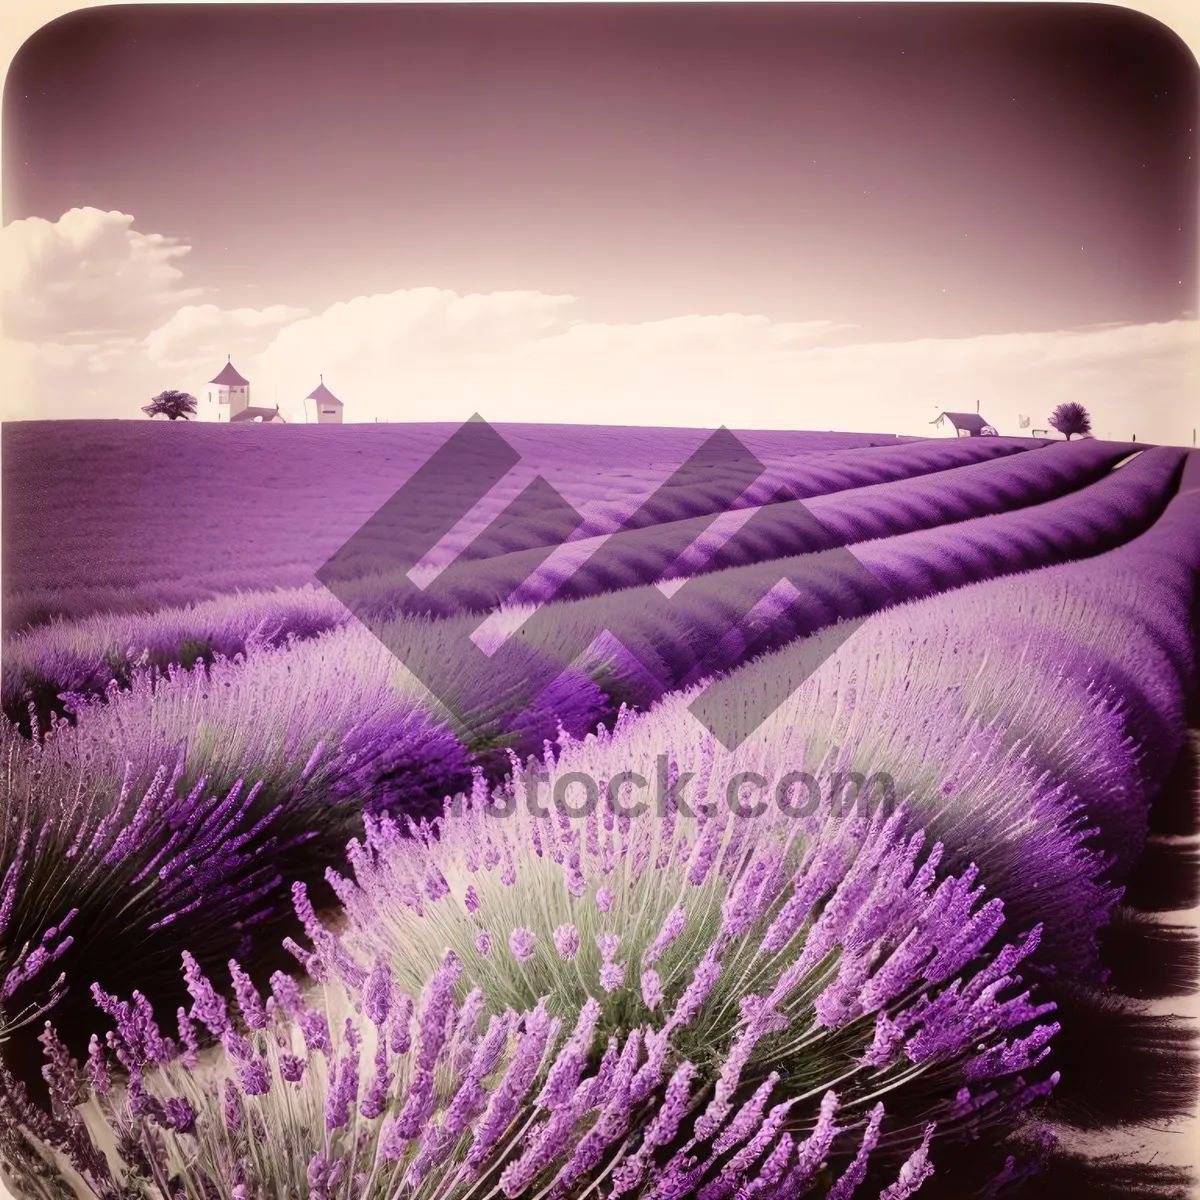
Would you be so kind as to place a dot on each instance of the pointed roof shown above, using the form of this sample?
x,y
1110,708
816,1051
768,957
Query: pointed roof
x,y
323,395
229,376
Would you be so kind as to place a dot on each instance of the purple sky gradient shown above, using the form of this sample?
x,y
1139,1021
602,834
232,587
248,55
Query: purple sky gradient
x,y
917,171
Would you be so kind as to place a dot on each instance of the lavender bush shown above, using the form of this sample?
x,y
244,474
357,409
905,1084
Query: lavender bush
x,y
345,690
251,716
132,871
785,1011
85,656
175,813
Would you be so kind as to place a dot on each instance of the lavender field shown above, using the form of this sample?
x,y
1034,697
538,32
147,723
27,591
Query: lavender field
x,y
700,816
176,515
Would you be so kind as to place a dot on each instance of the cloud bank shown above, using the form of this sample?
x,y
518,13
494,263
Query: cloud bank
x,y
97,318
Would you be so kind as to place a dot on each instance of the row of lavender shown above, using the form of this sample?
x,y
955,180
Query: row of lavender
x,y
769,958
86,655
87,531
794,520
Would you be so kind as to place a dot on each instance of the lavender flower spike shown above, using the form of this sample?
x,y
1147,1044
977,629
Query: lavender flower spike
x,y
844,1188
913,1174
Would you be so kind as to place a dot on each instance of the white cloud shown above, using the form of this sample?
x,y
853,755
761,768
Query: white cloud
x,y
734,369
107,323
198,335
693,334
428,323
89,274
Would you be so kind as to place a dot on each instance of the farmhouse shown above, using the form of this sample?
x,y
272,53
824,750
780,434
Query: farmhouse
x,y
964,424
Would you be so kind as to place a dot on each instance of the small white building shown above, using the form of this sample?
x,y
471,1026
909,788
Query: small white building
x,y
329,407
963,425
224,396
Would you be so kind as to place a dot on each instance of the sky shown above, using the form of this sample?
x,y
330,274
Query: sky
x,y
832,215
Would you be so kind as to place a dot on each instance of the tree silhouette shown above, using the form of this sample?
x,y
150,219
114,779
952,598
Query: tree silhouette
x,y
172,405
1071,418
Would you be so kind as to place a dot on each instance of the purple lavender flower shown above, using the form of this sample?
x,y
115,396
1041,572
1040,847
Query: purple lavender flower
x,y
291,1067
249,1001
512,1088
378,994
207,1005
286,993
251,1070
375,1100
180,1115
913,1173
568,1067
436,1008
97,1067
672,927
399,1037
566,941
231,1106
324,1176
652,994
707,972
187,1038
343,1093
608,944
315,1029
521,943
60,1071
853,1175
612,976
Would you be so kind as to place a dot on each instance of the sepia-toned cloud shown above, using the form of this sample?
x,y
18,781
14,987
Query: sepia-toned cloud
x,y
89,274
736,369
199,334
